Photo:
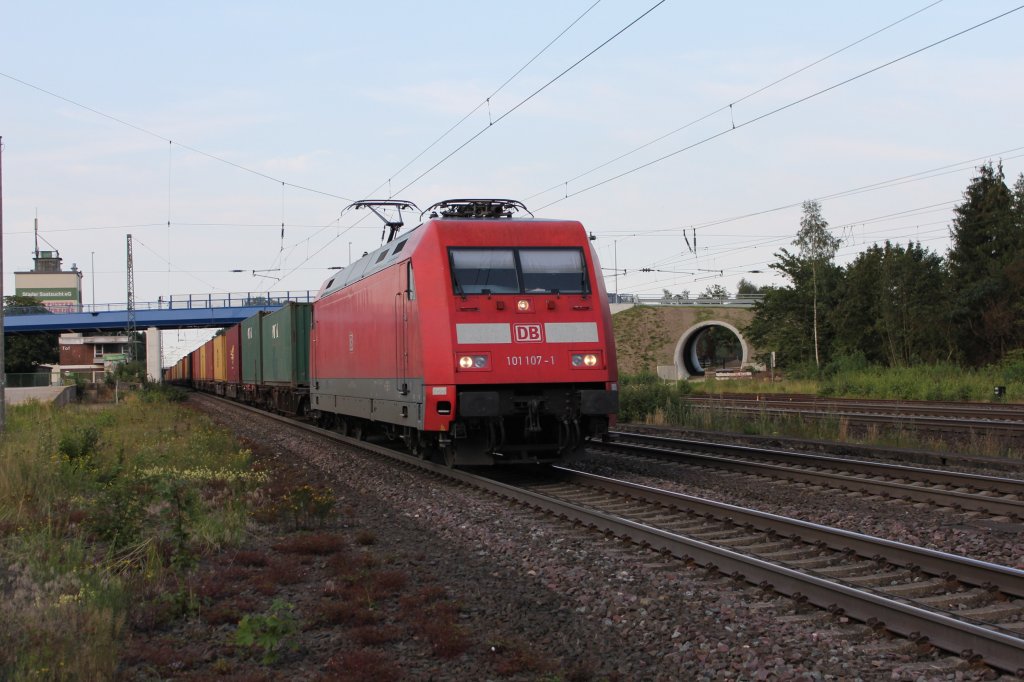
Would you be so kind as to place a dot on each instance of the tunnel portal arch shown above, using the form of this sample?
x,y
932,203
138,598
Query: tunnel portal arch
x,y
686,360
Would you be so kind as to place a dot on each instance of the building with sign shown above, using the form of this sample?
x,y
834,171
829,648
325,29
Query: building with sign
x,y
59,290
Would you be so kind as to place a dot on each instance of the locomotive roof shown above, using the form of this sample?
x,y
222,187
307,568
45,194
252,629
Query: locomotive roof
x,y
383,256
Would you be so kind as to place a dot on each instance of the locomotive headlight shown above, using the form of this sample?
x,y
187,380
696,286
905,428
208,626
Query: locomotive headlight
x,y
473,362
523,305
580,360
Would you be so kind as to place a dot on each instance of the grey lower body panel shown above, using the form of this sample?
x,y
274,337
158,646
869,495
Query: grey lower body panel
x,y
395,401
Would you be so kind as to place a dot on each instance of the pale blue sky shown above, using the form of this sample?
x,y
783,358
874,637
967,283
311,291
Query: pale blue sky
x,y
338,96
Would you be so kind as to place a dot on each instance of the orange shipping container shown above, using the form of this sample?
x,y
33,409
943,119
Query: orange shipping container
x,y
220,357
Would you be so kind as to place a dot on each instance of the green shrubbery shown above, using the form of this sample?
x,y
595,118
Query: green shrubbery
x,y
943,382
96,506
643,396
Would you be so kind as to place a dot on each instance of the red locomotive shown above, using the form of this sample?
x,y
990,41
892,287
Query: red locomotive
x,y
479,336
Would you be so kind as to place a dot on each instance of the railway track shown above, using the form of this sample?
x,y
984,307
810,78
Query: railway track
x,y
959,604
967,607
990,495
982,412
1001,421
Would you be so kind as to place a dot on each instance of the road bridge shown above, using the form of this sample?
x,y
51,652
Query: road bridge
x,y
177,312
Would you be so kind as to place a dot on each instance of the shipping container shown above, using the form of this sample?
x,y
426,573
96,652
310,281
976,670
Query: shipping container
x,y
220,364
206,355
252,349
285,341
234,355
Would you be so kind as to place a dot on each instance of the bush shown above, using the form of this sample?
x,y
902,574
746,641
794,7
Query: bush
x,y
1012,366
78,447
802,370
271,632
642,396
841,364
643,379
152,393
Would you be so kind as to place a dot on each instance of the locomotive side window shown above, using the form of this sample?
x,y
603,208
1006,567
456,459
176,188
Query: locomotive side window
x,y
479,271
553,270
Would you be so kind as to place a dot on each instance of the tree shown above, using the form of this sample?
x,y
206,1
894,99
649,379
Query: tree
x,y
745,288
784,316
817,247
986,272
715,291
893,306
23,353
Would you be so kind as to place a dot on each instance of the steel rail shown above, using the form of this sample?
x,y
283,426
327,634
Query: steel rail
x,y
996,648
967,570
901,418
1010,411
918,491
959,479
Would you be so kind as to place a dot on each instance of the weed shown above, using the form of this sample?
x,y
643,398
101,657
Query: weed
x,y
228,612
285,571
371,635
365,538
307,505
386,582
317,544
77,447
271,632
517,657
359,666
97,521
247,557
346,613
448,640
117,513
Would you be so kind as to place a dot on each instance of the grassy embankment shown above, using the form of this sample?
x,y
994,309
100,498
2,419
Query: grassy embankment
x,y
929,382
130,535
99,508
646,399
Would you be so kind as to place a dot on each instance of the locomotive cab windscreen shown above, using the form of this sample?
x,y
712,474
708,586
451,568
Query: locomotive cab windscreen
x,y
518,271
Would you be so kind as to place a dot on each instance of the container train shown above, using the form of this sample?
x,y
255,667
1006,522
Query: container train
x,y
478,337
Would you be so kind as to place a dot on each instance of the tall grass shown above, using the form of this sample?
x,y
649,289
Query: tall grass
x,y
98,505
853,378
648,400
925,382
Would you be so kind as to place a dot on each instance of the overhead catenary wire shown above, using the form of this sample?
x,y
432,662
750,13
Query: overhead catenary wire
x,y
780,109
490,123
486,102
163,138
184,272
729,106
914,237
531,96
928,174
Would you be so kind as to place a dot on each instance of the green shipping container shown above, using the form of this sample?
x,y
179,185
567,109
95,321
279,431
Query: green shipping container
x,y
285,337
252,350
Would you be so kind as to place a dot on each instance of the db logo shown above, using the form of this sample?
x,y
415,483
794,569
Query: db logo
x,y
527,333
